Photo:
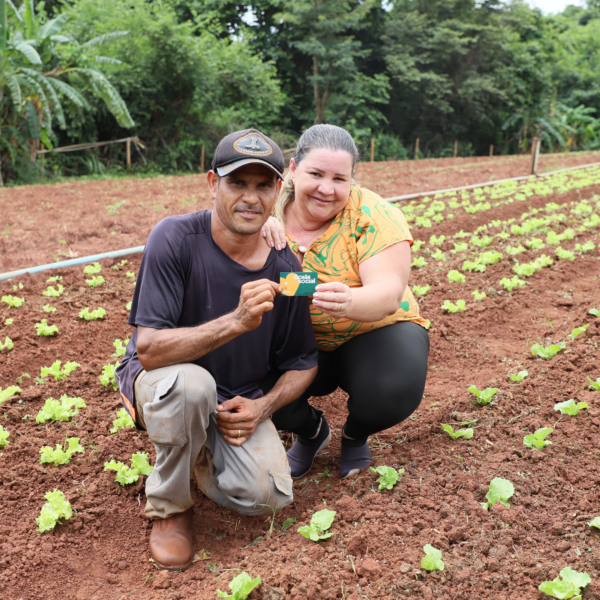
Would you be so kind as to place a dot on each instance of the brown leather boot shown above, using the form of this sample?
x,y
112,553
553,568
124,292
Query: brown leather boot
x,y
171,542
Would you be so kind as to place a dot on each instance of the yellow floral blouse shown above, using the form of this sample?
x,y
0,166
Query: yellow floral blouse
x,y
365,226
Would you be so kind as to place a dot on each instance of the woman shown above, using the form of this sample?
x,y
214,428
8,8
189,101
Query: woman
x,y
372,342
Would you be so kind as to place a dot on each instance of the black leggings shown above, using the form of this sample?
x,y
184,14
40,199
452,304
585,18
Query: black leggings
x,y
382,371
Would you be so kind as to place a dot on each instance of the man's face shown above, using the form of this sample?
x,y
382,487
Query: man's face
x,y
244,198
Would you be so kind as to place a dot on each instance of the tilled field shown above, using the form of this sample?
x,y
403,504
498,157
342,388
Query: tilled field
x,y
377,544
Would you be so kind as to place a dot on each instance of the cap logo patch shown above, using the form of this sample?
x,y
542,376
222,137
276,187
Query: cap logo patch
x,y
254,145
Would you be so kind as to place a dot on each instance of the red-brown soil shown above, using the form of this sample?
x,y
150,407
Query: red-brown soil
x,y
48,223
375,552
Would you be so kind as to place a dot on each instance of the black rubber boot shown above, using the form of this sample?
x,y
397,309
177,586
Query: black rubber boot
x,y
301,455
356,456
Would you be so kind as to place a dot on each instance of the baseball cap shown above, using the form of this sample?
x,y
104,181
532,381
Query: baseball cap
x,y
245,147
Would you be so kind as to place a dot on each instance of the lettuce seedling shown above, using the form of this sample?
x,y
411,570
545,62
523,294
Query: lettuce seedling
x,y
595,522
477,295
57,507
519,376
48,309
594,385
538,439
241,587
437,240
59,456
56,371
516,250
108,376
565,254
439,255
95,281
585,248
43,329
130,274
126,475
467,434
455,276
524,270
432,561
570,407
94,315
473,266
17,287
594,312
92,269
60,410
543,261
54,293
120,347
510,284
547,352
569,586
8,344
11,390
13,301
418,262
123,421
535,244
54,279
320,522
483,396
500,491
490,257
454,308
9,322
4,437
128,306
460,247
421,290
579,330
388,477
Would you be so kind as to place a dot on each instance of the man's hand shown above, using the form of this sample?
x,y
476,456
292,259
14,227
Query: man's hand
x,y
238,425
256,298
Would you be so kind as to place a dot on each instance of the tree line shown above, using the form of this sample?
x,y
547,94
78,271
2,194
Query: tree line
x,y
180,74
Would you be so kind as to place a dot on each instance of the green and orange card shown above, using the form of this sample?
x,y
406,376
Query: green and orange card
x,y
300,283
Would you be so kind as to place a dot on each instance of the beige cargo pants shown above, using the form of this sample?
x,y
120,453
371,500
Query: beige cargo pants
x,y
176,405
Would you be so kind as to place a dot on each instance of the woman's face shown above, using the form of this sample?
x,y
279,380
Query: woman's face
x,y
322,183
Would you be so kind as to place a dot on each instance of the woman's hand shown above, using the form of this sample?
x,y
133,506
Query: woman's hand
x,y
335,299
274,233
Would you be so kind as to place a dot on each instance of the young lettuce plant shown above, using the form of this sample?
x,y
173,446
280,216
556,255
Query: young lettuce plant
x,y
594,312
108,376
547,352
320,522
595,522
518,377
123,421
43,329
8,344
455,276
467,434
94,315
54,293
388,477
418,262
563,254
57,507
524,270
477,295
432,561
120,347
95,281
241,587
59,456
13,301
568,584
92,269
510,284
483,396
538,439
56,371
54,279
11,390
500,491
578,331
594,385
570,407
126,475
60,410
4,437
48,309
454,308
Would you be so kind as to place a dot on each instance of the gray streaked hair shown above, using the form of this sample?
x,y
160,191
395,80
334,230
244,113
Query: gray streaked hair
x,y
328,137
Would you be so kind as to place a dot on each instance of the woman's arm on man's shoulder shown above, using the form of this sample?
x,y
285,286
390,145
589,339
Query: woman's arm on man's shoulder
x,y
384,278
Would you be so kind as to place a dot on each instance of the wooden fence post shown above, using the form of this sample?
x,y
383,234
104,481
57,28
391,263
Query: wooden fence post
x,y
372,149
535,154
492,150
202,158
417,149
128,143
43,161
455,148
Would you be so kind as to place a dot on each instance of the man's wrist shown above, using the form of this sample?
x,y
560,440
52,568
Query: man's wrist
x,y
235,327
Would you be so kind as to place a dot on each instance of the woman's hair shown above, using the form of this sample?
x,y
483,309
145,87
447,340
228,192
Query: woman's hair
x,y
328,137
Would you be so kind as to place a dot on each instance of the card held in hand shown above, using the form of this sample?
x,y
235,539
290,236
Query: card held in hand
x,y
298,284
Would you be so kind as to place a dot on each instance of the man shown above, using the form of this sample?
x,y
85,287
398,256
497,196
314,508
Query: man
x,y
210,325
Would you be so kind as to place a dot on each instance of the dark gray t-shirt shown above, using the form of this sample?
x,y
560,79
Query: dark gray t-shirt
x,y
185,280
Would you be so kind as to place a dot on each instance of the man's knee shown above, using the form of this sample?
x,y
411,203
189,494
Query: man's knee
x,y
200,387
272,494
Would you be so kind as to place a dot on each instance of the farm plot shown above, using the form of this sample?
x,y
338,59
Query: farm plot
x,y
499,366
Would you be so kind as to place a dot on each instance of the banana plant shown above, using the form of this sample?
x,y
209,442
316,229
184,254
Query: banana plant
x,y
40,69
